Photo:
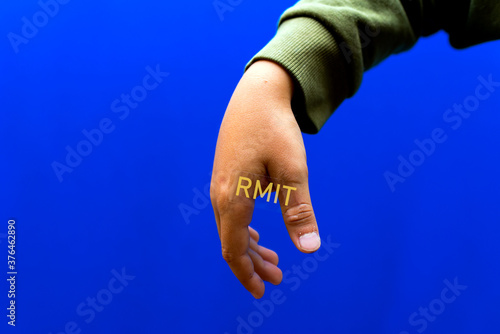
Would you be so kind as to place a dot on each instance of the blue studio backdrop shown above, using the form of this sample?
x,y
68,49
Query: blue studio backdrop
x,y
109,117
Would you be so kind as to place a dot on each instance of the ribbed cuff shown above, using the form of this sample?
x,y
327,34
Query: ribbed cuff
x,y
309,52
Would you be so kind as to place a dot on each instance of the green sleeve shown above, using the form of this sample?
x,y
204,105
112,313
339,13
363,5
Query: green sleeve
x,y
326,45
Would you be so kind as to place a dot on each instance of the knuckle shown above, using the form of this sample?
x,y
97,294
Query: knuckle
x,y
248,277
213,194
229,256
301,214
219,191
221,198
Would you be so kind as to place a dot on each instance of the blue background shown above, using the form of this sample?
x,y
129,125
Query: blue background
x,y
119,207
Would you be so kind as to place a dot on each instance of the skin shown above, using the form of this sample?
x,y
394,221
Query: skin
x,y
259,134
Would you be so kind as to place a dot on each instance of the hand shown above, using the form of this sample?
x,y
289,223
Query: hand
x,y
259,135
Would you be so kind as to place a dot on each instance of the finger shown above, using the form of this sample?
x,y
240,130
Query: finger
x,y
267,271
254,234
298,213
267,254
235,240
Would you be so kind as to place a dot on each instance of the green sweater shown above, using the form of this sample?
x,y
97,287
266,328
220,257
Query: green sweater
x,y
326,45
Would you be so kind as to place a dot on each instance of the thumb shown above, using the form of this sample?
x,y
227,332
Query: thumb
x,y
298,214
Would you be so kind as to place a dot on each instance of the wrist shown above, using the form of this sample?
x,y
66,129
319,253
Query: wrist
x,y
270,79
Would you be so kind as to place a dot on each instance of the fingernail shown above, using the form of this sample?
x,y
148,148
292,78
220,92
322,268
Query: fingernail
x,y
309,241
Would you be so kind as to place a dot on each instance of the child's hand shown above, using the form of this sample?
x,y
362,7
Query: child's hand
x,y
259,134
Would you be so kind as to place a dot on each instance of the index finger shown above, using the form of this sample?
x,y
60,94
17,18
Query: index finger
x,y
235,240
